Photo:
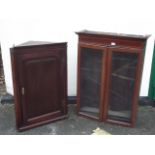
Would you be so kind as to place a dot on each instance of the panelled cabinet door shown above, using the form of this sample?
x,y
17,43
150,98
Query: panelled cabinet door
x,y
42,85
123,84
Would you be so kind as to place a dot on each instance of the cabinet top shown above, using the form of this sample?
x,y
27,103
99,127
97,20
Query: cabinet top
x,y
109,34
36,43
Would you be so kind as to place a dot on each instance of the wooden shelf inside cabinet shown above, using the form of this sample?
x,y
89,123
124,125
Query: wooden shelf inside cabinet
x,y
40,83
109,75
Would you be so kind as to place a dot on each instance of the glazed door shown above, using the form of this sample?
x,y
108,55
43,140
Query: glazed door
x,y
41,86
90,84
123,84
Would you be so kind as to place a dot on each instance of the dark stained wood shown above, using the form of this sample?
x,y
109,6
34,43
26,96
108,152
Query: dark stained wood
x,y
103,82
107,81
40,83
137,87
105,39
112,34
110,44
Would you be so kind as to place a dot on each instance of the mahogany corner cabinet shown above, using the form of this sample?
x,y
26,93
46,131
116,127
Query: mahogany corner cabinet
x,y
109,76
40,83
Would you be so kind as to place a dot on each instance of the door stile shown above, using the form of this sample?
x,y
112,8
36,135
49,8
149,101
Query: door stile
x,y
78,78
103,83
136,89
107,85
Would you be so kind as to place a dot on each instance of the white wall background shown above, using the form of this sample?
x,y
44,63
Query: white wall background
x,y
57,20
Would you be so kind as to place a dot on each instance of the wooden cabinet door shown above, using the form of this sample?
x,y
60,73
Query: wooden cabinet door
x,y
123,85
91,71
41,75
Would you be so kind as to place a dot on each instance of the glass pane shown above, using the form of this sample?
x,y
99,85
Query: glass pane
x,y
122,80
90,81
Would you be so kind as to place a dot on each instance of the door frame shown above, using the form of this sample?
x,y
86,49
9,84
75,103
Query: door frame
x,y
102,49
136,85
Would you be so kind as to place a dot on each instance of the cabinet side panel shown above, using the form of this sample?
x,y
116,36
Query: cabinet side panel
x,y
15,75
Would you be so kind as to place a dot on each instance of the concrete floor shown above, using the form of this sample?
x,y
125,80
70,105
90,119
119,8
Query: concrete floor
x,y
75,125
